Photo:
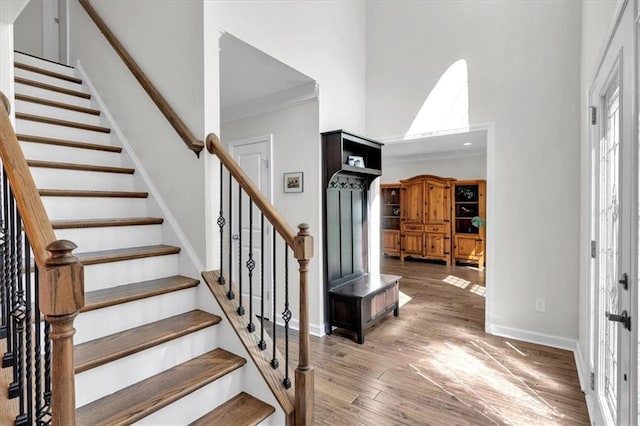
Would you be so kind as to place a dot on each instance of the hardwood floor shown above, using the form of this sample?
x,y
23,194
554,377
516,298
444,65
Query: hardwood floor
x,y
434,365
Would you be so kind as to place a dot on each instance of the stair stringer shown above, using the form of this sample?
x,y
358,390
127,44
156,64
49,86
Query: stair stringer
x,y
189,262
255,381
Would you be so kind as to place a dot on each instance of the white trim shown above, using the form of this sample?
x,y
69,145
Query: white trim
x,y
435,156
609,38
140,170
418,137
314,329
552,341
583,369
298,95
490,201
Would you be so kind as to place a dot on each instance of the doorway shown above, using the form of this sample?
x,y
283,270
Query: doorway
x,y
41,30
254,157
613,222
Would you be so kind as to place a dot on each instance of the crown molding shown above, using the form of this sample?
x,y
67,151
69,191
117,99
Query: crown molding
x,y
283,99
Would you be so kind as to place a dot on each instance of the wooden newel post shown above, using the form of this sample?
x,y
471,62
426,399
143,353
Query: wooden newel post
x,y
304,375
61,298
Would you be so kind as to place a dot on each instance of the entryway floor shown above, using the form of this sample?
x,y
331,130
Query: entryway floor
x,y
434,365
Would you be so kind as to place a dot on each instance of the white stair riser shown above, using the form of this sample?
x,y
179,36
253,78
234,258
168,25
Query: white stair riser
x,y
113,274
115,237
26,89
46,178
28,127
35,108
114,319
36,62
109,378
61,208
42,78
65,154
198,403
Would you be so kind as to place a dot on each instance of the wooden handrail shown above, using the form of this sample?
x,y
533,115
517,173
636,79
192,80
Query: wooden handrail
x,y
61,275
36,222
270,213
180,127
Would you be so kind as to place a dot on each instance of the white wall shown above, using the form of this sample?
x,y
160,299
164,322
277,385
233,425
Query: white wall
x,y
460,168
323,40
296,148
28,29
523,61
597,20
166,39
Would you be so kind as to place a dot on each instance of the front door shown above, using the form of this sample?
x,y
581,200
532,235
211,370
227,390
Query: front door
x,y
612,133
253,155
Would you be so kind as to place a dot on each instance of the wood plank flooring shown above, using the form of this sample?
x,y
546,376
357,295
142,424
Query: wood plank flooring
x,y
434,365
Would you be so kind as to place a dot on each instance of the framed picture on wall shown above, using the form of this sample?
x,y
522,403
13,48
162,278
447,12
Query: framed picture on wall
x,y
293,182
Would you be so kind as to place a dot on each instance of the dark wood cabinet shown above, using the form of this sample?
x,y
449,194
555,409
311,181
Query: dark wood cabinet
x,y
355,298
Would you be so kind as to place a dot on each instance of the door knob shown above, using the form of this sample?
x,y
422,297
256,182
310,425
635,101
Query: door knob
x,y
624,318
235,236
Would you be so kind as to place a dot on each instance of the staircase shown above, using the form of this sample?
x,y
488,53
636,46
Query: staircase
x,y
147,348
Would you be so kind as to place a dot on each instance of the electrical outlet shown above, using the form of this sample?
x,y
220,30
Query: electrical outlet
x,y
540,306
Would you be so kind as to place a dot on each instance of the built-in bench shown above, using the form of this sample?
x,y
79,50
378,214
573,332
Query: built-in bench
x,y
361,302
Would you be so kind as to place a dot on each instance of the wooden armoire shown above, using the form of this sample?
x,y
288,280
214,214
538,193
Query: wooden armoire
x,y
425,217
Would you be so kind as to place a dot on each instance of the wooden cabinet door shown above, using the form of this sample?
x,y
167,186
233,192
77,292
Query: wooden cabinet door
x,y
390,241
436,245
438,208
468,247
413,243
412,201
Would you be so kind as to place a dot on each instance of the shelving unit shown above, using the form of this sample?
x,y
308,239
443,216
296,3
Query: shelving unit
x,y
390,218
469,234
356,299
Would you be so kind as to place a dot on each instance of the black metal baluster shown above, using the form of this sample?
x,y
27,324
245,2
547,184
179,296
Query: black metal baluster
x,y
14,387
286,316
240,309
230,294
251,264
42,414
7,359
262,345
29,326
19,314
221,222
274,360
46,410
4,302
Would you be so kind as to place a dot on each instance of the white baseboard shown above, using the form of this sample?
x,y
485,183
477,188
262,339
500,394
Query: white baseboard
x,y
314,329
533,337
153,191
583,371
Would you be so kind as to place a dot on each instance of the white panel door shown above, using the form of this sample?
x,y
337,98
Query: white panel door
x,y
251,234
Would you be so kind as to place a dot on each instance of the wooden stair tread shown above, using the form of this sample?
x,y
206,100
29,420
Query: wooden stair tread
x,y
102,223
58,122
116,255
51,87
243,409
49,73
92,194
103,298
106,349
80,167
49,102
137,401
68,143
